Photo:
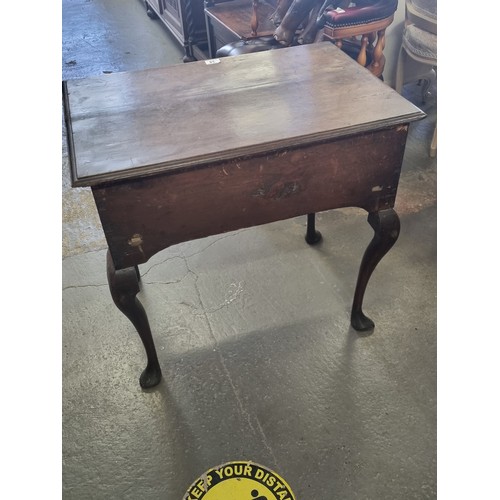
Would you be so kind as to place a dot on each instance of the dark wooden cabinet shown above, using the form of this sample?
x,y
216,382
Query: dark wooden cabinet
x,y
185,19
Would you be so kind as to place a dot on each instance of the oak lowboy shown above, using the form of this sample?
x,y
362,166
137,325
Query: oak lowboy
x,y
277,134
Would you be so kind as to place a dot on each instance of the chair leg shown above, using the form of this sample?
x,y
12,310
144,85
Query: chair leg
x,y
400,71
433,150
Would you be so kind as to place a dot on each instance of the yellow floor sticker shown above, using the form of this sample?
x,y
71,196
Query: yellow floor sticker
x,y
239,481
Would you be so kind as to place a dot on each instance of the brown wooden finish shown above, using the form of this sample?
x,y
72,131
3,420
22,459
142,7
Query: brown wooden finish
x,y
149,214
236,20
368,34
295,22
123,125
237,16
297,14
278,134
124,286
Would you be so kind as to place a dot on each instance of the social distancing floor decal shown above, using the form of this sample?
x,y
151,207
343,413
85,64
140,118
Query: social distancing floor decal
x,y
239,481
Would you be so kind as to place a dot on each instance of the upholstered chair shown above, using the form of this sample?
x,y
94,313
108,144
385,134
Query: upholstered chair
x,y
359,28
418,54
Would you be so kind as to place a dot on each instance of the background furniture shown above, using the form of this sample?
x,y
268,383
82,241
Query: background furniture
x,y
185,19
289,141
237,20
359,30
418,54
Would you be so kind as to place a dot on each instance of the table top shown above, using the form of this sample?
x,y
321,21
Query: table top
x,y
135,124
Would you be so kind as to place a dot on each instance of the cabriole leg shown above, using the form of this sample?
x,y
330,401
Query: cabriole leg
x,y
312,236
124,286
386,226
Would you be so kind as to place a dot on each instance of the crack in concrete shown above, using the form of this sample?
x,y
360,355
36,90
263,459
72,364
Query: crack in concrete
x,y
95,250
222,237
244,413
266,444
78,287
145,282
232,297
161,263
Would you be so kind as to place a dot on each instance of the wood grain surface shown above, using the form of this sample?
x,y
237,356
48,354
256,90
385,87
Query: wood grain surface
x,y
144,215
136,124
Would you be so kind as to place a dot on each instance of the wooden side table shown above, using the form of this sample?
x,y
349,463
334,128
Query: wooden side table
x,y
275,135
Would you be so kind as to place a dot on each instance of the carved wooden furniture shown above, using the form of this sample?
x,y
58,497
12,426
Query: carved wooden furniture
x,y
418,54
236,20
285,140
360,31
357,27
185,19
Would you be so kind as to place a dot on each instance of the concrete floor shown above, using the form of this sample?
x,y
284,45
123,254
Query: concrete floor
x,y
252,331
